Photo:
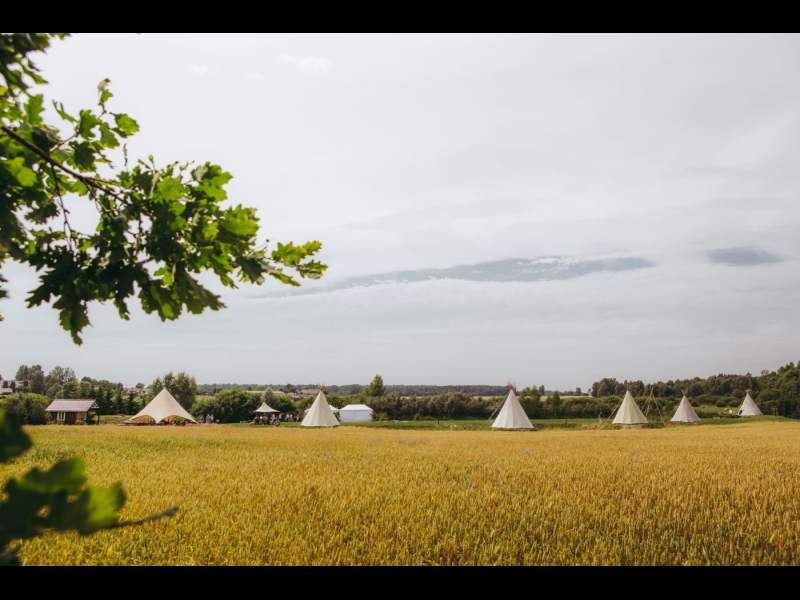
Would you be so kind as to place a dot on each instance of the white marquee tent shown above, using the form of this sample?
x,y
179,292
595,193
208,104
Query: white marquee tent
x,y
264,409
685,412
162,408
628,412
512,416
355,413
749,408
320,413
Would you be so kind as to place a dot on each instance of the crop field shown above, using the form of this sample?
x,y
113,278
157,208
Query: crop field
x,y
693,495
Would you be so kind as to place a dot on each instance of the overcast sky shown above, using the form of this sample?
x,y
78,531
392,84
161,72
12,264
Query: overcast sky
x,y
550,209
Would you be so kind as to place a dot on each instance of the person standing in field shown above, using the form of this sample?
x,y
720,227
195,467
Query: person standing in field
x,y
600,418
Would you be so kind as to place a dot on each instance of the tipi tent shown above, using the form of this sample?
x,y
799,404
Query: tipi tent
x,y
628,412
320,413
749,408
355,413
685,412
511,415
162,408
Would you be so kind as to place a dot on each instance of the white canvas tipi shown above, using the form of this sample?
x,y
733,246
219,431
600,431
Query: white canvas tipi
x,y
749,408
685,412
164,408
320,413
628,412
512,416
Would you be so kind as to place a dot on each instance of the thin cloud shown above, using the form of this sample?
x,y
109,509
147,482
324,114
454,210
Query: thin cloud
x,y
742,257
200,69
254,77
311,63
513,270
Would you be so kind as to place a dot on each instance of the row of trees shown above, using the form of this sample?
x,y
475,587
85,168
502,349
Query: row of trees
x,y
775,392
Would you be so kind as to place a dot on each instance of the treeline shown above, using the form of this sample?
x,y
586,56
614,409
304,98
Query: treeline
x,y
775,392
59,383
357,388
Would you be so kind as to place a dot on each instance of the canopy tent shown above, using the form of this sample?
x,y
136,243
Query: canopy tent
x,y
355,413
320,413
628,412
512,416
749,408
685,412
264,409
162,409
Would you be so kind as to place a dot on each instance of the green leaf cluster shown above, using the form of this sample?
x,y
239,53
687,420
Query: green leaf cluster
x,y
58,499
157,228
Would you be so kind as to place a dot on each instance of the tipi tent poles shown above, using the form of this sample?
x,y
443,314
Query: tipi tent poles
x,y
512,385
611,416
652,399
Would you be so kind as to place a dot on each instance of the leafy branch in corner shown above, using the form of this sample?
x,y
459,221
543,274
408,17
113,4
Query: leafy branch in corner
x,y
157,228
58,499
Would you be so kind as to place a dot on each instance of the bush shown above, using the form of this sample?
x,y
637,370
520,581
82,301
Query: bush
x,y
229,406
26,409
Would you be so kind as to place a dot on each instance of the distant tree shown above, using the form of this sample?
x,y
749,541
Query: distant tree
x,y
578,391
86,389
229,406
553,400
532,405
289,389
25,409
61,375
376,389
182,386
36,380
283,404
269,396
104,399
130,404
541,391
119,403
71,389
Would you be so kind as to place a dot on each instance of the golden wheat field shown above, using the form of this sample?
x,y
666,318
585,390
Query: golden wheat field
x,y
355,496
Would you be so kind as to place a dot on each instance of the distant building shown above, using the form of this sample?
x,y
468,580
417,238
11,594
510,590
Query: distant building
x,y
67,412
7,387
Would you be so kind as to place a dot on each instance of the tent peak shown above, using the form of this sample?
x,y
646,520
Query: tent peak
x,y
512,385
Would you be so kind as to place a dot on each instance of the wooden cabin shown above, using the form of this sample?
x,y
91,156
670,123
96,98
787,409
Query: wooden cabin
x,y
68,412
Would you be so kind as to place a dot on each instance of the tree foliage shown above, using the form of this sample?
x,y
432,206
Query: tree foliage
x,y
229,406
376,389
182,386
25,409
157,227
58,499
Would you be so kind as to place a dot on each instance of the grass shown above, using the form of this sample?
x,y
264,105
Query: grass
x,y
698,495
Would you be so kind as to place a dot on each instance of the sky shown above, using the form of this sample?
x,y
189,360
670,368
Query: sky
x,y
548,209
